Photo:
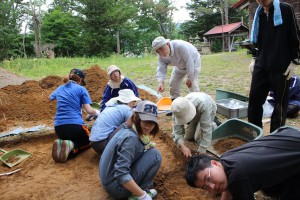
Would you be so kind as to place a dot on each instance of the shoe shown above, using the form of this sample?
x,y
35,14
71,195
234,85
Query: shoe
x,y
169,113
56,149
66,147
151,192
216,120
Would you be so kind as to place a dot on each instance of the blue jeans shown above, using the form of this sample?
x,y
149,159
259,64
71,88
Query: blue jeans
x,y
143,171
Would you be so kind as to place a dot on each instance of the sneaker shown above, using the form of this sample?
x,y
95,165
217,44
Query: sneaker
x,y
66,147
56,149
151,192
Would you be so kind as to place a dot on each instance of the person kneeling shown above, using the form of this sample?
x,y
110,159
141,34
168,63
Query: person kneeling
x,y
130,161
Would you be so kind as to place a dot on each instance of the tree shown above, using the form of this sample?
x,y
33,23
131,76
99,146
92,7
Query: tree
x,y
63,30
10,41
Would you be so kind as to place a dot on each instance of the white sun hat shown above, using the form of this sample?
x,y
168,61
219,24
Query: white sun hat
x,y
159,42
183,110
112,68
125,96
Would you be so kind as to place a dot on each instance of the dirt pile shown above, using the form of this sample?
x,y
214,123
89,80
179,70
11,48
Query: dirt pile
x,y
227,144
29,101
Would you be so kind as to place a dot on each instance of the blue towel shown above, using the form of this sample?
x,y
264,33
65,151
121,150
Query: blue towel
x,y
277,20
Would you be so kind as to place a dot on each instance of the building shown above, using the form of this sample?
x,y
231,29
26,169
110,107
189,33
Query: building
x,y
251,6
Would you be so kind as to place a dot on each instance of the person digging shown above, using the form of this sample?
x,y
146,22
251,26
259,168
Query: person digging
x,y
193,119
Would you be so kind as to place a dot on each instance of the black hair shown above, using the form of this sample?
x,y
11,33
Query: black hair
x,y
194,165
120,102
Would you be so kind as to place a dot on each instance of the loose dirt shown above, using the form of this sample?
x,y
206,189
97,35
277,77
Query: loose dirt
x,y
13,159
223,145
78,178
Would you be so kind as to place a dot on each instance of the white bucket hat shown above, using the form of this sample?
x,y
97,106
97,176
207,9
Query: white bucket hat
x,y
125,96
183,110
112,68
159,42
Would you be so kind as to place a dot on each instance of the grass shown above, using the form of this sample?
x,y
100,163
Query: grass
x,y
223,71
227,71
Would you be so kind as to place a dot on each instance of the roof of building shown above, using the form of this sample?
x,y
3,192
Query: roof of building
x,y
241,4
228,28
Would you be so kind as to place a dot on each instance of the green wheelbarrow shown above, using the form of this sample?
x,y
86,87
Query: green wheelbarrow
x,y
14,157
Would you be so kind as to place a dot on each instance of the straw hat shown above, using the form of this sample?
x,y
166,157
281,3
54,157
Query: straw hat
x,y
125,96
183,110
159,42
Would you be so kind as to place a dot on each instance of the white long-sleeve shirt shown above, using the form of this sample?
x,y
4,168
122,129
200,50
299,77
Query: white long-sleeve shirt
x,y
183,55
202,123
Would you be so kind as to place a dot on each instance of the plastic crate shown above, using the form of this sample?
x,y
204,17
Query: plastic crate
x,y
235,128
225,110
222,94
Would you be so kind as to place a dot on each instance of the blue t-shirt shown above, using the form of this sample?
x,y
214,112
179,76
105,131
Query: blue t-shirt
x,y
70,98
108,120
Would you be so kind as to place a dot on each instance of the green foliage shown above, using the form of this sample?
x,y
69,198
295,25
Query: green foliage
x,y
63,30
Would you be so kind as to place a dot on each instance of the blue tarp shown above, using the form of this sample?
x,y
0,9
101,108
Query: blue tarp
x,y
20,130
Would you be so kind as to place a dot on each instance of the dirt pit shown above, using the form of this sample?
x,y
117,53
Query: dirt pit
x,y
226,144
41,178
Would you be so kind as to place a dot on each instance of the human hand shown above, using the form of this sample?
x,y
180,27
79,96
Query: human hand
x,y
188,83
160,87
251,66
145,197
91,117
290,71
186,151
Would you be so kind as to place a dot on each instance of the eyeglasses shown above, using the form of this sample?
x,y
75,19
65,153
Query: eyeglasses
x,y
207,180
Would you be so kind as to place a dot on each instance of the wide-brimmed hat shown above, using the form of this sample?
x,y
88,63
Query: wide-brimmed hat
x,y
147,111
183,110
159,42
125,96
112,68
80,74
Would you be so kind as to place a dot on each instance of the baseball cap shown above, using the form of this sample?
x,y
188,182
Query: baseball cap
x,y
147,111
80,74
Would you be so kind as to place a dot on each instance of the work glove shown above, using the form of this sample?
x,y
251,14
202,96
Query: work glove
x,y
90,117
146,196
251,66
290,71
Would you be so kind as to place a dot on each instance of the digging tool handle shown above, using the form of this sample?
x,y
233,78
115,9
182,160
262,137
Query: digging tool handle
x,y
3,150
9,173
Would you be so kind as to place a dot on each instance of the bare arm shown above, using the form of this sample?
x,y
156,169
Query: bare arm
x,y
89,109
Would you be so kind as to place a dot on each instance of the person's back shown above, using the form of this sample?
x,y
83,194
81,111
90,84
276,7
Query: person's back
x,y
109,119
262,164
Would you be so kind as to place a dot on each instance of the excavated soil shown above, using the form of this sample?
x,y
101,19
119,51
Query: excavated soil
x,y
226,144
29,101
42,178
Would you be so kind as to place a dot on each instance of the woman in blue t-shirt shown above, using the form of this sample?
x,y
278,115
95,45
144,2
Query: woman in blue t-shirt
x,y
68,123
117,82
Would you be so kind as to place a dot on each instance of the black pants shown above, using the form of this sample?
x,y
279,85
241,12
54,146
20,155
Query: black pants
x,y
79,134
262,82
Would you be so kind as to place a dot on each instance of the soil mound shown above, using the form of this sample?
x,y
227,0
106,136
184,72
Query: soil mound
x,y
29,101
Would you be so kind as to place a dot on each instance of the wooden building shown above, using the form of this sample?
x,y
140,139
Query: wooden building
x,y
251,6
228,33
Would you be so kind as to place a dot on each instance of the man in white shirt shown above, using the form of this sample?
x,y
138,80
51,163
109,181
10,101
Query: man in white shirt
x,y
186,61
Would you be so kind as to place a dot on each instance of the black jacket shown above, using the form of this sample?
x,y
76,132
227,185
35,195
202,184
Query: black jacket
x,y
277,45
